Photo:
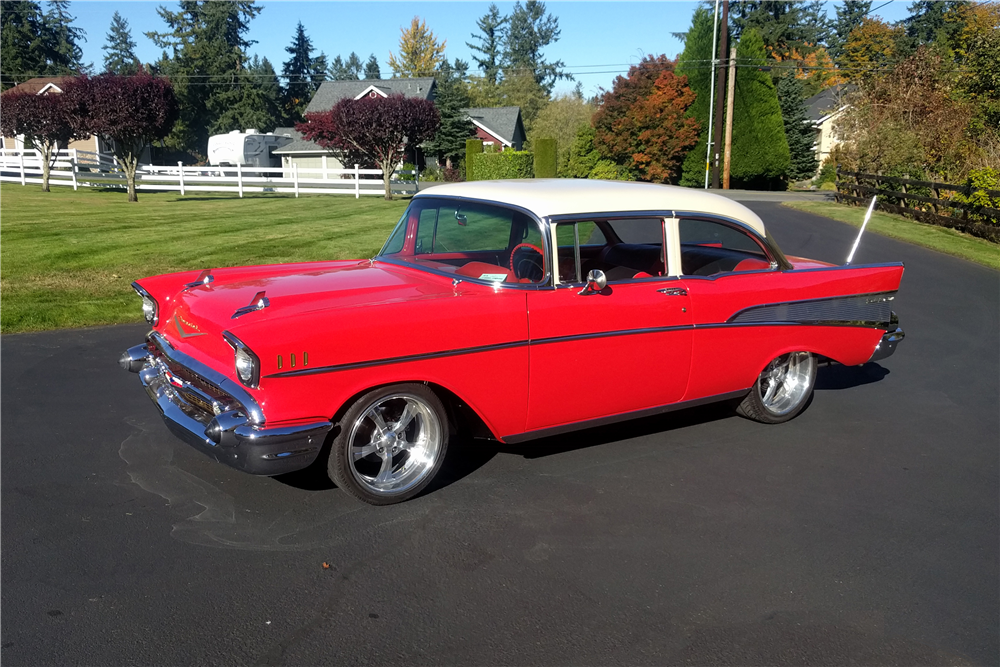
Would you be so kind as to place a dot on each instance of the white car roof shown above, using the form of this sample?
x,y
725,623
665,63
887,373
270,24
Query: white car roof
x,y
571,196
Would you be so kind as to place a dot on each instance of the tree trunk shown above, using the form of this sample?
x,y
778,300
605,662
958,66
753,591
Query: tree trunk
x,y
386,177
45,155
130,162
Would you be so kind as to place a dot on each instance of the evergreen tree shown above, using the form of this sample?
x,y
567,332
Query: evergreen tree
x,y
452,97
760,157
531,29
23,52
120,55
420,53
65,55
849,16
926,22
583,157
798,130
491,44
371,68
346,71
254,101
300,74
692,63
206,60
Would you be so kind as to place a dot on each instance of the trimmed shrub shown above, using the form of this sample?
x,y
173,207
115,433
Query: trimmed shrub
x,y
473,147
609,171
545,158
508,164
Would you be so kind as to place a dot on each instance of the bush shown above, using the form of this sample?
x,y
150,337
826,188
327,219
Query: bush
x,y
508,164
473,147
609,171
828,174
430,173
545,158
981,180
452,174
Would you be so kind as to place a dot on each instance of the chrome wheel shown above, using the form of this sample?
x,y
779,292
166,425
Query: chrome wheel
x,y
787,382
782,389
395,443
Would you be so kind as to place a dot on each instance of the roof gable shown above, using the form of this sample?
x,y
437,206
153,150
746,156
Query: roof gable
x,y
331,92
501,122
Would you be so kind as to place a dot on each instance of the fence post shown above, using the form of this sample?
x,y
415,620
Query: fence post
x,y
295,175
239,179
74,167
325,175
21,155
180,170
357,182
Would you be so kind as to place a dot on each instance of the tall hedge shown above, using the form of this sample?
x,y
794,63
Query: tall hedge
x,y
693,63
546,165
473,147
508,164
760,155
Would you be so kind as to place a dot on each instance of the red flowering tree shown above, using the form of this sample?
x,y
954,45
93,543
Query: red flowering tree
x,y
132,111
642,124
373,130
43,122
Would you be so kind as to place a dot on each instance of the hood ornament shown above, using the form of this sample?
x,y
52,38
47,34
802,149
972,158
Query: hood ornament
x,y
204,278
258,302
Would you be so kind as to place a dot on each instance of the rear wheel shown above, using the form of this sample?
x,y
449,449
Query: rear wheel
x,y
391,444
782,389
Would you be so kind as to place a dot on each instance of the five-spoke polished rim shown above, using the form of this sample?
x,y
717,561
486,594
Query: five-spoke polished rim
x,y
394,444
786,382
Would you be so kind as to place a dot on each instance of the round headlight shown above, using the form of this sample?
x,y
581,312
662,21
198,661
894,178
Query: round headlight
x,y
244,366
149,309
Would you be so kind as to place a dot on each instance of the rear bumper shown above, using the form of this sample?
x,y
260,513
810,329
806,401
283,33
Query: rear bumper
x,y
890,339
228,436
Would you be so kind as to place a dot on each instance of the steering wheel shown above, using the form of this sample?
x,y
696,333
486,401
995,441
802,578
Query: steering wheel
x,y
525,264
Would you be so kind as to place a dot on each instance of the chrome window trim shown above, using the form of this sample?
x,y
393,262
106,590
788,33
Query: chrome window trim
x,y
539,223
221,382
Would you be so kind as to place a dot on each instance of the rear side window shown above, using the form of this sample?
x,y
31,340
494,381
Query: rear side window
x,y
709,247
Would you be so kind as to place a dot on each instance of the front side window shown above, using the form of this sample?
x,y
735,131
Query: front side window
x,y
709,247
470,239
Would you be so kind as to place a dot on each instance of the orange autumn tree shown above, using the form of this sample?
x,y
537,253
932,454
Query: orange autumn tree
x,y
812,65
641,122
872,45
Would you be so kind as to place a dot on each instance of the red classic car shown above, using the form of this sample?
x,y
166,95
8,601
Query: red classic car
x,y
500,306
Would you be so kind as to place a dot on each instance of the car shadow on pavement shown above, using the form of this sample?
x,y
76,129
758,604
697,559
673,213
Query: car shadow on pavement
x,y
837,376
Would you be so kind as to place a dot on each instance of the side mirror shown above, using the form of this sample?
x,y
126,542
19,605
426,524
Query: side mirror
x,y
596,281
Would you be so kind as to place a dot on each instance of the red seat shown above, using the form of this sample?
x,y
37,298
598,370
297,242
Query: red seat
x,y
479,269
751,264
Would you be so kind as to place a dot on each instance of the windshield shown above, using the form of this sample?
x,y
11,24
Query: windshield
x,y
469,239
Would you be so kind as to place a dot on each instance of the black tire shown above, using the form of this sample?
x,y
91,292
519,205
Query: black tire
x,y
782,390
415,449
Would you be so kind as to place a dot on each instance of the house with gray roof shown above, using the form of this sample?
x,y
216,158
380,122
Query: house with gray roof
x,y
823,110
498,125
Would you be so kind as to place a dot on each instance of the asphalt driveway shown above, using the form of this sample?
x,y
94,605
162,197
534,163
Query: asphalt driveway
x,y
864,531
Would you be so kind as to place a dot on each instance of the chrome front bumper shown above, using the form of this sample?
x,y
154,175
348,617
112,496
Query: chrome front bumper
x,y
890,339
213,414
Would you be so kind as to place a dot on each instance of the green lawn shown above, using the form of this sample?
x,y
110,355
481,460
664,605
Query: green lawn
x,y
942,239
68,257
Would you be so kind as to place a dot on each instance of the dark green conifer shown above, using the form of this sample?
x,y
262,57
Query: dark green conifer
x,y
371,68
451,97
119,57
798,130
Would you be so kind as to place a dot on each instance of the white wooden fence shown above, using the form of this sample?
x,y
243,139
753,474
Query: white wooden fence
x,y
85,169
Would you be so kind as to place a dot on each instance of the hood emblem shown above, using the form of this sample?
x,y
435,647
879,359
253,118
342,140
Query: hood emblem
x,y
204,278
258,302
186,334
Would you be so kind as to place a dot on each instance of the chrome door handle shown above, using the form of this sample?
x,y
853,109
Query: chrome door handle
x,y
673,291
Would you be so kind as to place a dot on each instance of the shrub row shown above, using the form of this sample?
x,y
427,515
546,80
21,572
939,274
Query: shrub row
x,y
508,164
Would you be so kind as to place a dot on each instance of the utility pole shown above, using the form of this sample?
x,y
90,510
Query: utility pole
x,y
711,93
723,49
730,94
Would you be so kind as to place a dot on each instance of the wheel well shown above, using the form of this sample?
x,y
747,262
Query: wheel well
x,y
462,417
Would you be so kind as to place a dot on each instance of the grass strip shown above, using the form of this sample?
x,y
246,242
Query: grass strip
x,y
945,240
68,258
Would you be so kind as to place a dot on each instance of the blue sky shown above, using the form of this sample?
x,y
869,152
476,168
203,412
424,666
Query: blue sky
x,y
599,39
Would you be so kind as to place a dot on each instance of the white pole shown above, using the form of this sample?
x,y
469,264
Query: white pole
x,y
180,170
357,182
74,170
416,179
711,94
325,175
21,156
295,175
239,178
868,215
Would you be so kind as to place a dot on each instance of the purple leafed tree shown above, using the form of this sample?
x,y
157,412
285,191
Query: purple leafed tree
x,y
42,120
374,130
132,111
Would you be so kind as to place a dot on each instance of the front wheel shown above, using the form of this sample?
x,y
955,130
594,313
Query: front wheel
x,y
391,444
782,389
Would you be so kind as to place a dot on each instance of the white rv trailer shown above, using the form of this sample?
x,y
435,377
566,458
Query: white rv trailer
x,y
247,149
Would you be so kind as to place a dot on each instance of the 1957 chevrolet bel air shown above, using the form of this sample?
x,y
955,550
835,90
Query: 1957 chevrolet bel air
x,y
519,308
